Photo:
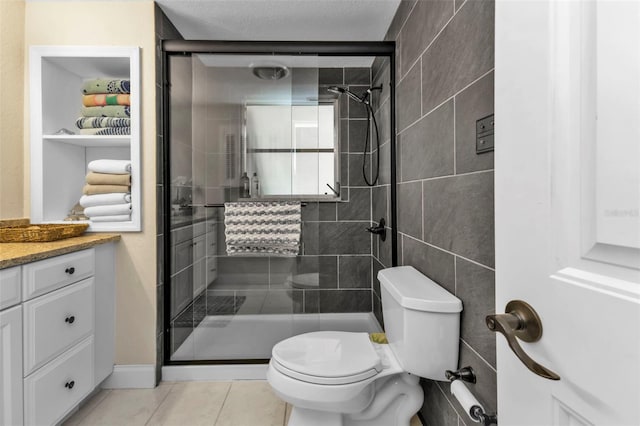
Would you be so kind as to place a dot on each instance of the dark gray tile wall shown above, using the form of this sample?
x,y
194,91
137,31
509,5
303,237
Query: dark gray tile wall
x,y
444,67
164,30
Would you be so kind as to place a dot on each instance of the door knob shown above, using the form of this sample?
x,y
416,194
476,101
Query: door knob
x,y
522,322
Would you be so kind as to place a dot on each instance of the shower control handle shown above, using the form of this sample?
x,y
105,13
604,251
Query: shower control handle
x,y
379,230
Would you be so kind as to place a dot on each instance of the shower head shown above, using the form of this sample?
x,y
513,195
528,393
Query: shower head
x,y
342,90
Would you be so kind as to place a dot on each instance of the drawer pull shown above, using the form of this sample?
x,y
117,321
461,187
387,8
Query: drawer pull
x,y
70,385
70,270
70,319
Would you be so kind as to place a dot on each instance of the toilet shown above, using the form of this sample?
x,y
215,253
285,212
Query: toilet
x,y
334,378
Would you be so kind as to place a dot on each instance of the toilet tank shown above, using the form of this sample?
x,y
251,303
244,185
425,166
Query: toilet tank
x,y
421,321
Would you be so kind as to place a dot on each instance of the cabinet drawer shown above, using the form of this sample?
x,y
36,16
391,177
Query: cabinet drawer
x,y
55,322
51,392
212,244
49,274
9,287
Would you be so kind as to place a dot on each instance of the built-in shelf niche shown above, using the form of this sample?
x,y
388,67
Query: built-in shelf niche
x,y
59,161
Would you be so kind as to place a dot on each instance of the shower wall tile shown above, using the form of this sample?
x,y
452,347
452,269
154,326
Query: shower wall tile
x,y
472,104
357,76
330,76
281,271
384,124
458,215
463,52
436,407
377,267
357,136
409,91
311,301
327,211
425,21
432,262
445,58
332,301
384,249
380,203
355,169
427,148
242,272
402,13
354,271
358,207
410,208
475,285
344,135
385,164
325,266
344,238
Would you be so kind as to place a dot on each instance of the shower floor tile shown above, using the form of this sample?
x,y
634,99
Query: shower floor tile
x,y
240,403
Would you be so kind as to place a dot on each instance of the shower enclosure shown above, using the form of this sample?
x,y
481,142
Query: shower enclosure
x,y
298,119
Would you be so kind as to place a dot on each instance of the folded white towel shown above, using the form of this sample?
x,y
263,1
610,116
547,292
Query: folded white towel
x,y
114,218
104,199
110,166
108,210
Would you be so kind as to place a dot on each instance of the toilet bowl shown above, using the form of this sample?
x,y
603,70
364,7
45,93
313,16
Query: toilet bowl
x,y
336,378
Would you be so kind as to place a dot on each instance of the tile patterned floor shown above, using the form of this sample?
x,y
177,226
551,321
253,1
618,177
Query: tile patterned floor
x,y
240,403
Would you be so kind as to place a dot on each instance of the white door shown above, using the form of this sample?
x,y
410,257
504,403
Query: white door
x,y
567,111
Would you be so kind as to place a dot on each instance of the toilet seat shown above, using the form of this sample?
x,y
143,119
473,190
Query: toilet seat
x,y
327,357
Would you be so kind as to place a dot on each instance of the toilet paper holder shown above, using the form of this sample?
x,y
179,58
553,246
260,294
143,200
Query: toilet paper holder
x,y
475,410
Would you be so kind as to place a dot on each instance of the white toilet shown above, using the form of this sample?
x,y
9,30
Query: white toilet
x,y
334,378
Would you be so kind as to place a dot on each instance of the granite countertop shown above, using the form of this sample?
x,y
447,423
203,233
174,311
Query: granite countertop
x,y
13,254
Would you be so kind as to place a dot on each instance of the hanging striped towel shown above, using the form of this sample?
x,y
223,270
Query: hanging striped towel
x,y
262,228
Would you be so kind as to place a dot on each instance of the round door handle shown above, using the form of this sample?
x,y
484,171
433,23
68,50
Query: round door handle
x,y
522,322
70,270
70,319
70,384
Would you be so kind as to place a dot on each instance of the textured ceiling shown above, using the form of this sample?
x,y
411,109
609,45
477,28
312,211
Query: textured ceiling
x,y
302,20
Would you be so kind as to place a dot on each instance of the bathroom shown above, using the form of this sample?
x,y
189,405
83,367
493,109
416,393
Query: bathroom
x,y
450,206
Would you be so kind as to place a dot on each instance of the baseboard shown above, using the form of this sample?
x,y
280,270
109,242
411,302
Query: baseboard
x,y
138,376
184,373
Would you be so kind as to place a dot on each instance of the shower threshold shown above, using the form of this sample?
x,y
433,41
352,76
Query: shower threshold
x,y
238,337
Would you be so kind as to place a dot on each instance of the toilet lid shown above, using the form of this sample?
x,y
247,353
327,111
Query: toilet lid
x,y
327,357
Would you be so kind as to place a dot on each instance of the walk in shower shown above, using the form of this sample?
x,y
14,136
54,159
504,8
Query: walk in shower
x,y
305,125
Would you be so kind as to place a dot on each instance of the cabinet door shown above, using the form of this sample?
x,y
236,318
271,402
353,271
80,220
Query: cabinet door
x,y
11,366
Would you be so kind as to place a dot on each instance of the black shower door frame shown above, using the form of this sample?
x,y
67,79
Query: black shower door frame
x,y
310,48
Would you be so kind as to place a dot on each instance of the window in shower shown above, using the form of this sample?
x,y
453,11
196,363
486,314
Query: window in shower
x,y
303,141
294,149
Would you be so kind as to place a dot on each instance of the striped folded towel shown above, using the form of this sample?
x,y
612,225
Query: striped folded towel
x,y
94,122
263,228
106,85
119,111
106,131
108,210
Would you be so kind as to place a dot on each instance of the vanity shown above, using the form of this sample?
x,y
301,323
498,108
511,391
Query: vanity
x,y
57,323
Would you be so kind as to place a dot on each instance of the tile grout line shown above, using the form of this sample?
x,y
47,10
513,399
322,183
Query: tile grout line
x,y
447,251
159,404
223,403
446,100
478,355
81,419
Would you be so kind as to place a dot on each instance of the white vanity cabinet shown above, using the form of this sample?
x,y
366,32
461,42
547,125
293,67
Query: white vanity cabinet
x,y
59,160
57,338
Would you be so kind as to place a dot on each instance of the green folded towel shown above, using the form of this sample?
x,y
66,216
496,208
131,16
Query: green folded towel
x,y
120,111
